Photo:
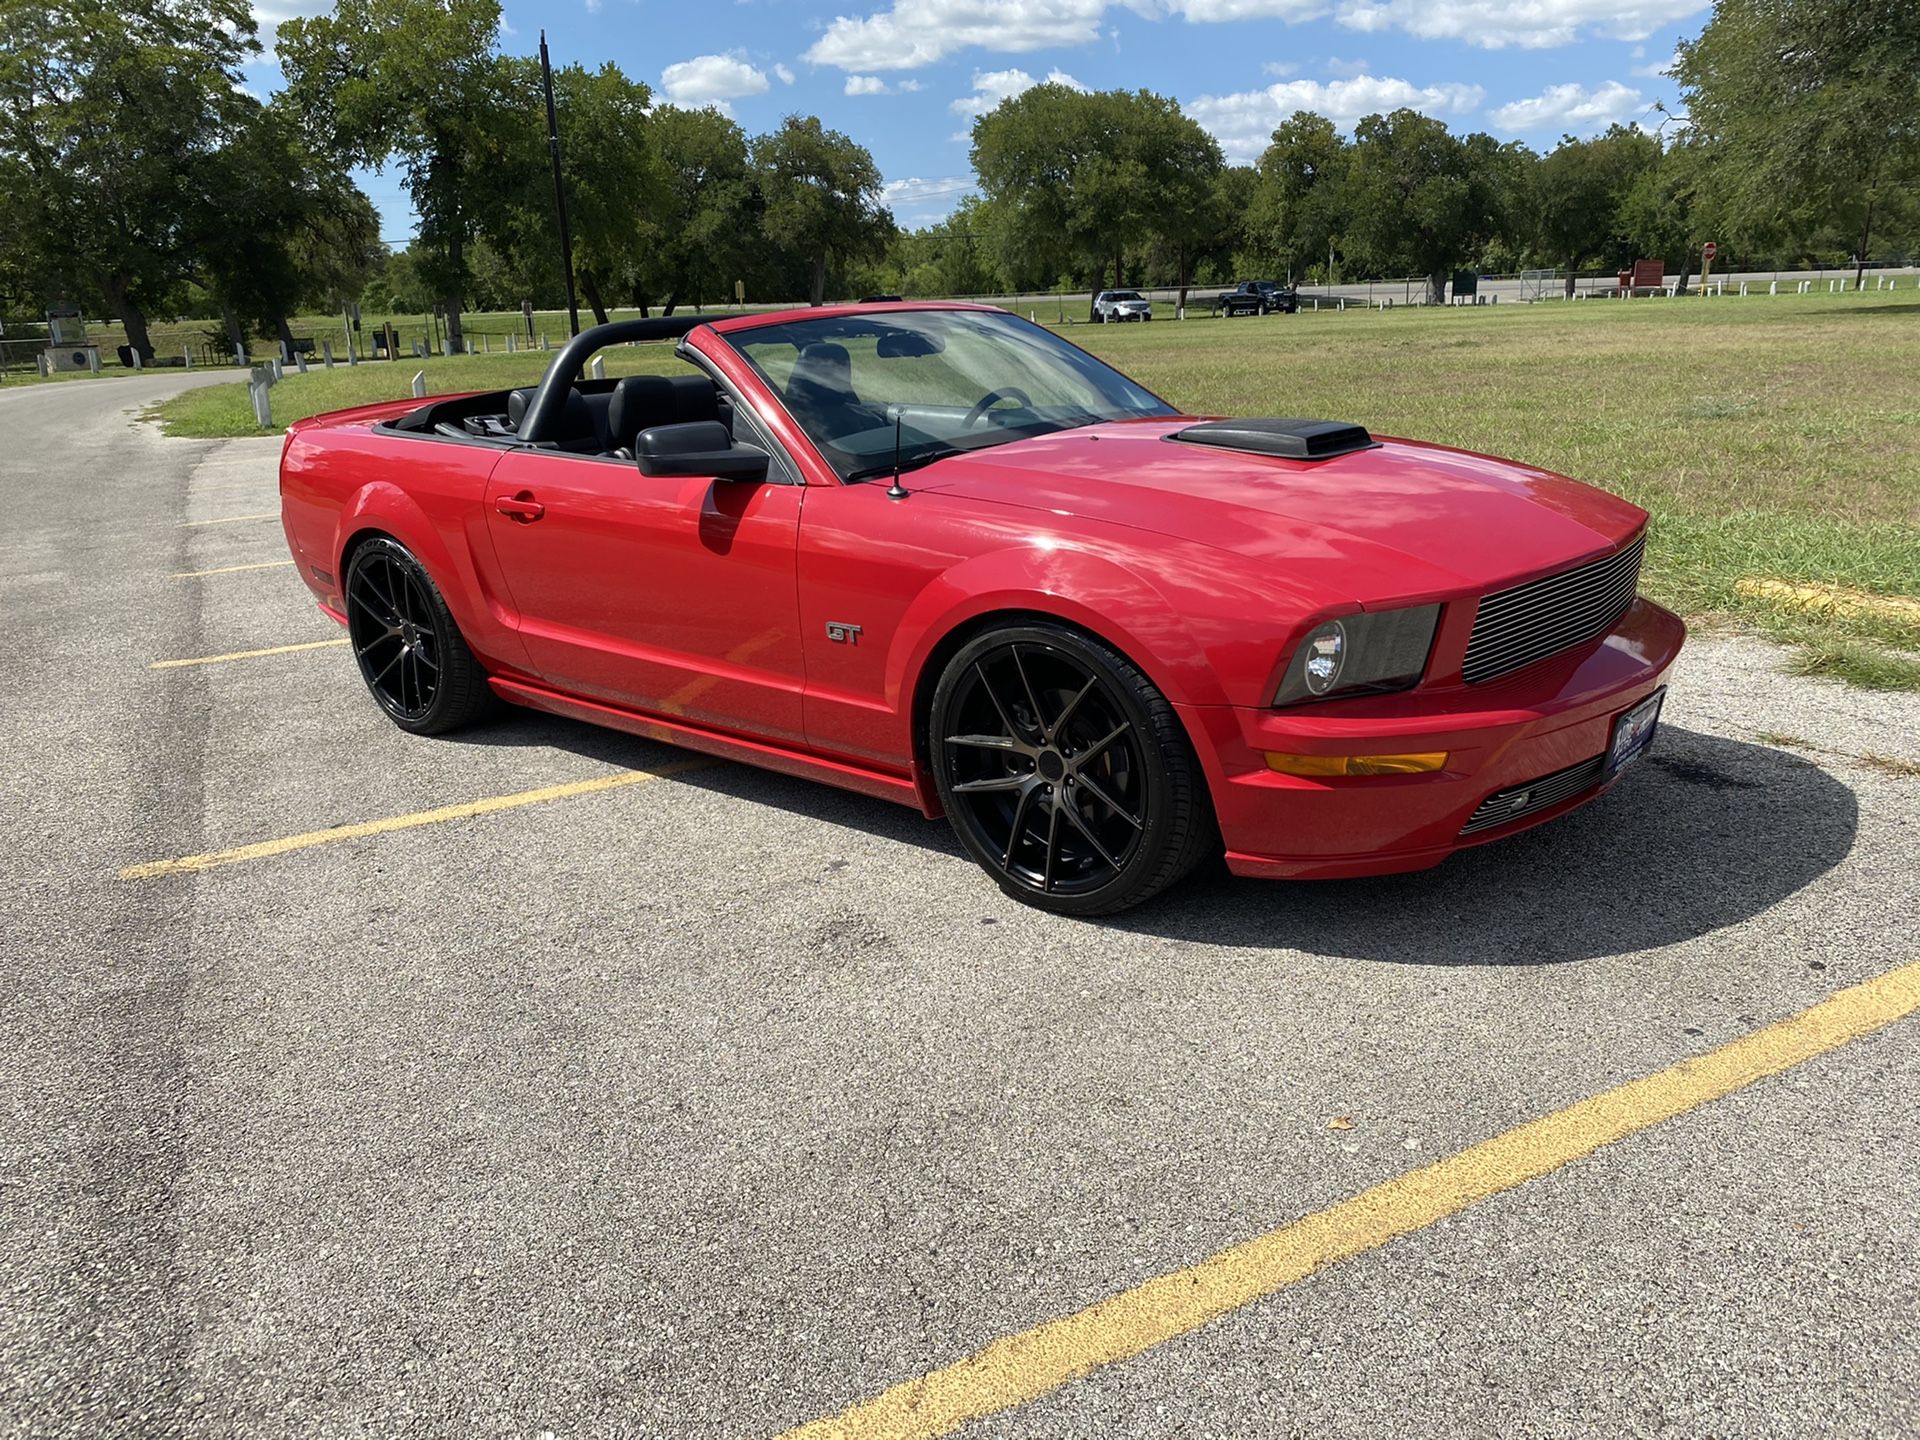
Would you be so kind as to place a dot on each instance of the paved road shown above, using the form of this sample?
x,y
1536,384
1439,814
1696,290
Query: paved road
x,y
711,1105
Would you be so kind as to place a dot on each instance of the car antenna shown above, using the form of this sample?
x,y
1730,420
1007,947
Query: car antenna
x,y
897,491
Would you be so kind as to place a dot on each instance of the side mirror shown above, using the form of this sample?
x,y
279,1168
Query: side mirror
x,y
698,447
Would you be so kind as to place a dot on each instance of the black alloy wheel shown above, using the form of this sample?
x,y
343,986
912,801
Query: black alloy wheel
x,y
410,653
1065,772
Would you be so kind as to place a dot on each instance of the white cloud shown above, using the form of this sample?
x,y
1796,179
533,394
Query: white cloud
x,y
783,74
711,80
916,192
1279,69
269,15
866,85
990,87
1346,69
1530,24
1659,69
1245,122
1570,108
1291,11
913,33
909,87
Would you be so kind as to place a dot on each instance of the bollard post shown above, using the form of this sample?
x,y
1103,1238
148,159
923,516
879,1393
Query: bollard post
x,y
543,340
134,350
262,402
510,339
93,360
419,384
598,369
284,356
277,372
240,356
486,345
1743,287
326,353
186,356
41,361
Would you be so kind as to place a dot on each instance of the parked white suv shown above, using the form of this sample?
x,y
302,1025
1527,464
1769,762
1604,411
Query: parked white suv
x,y
1111,305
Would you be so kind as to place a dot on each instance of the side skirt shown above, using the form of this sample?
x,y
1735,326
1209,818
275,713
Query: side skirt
x,y
878,784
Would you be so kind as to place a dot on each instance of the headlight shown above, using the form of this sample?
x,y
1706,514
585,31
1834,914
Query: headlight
x,y
1372,651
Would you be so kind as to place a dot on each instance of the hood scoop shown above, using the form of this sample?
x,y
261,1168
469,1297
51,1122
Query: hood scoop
x,y
1288,439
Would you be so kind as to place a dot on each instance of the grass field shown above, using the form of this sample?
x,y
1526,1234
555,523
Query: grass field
x,y
1773,439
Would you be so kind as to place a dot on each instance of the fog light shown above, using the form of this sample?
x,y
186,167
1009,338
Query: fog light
x,y
1314,767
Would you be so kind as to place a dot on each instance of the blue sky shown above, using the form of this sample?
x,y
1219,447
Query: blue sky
x,y
906,77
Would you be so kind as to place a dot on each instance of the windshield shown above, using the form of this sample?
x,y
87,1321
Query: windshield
x,y
1123,294
953,380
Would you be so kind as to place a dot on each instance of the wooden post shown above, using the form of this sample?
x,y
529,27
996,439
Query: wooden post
x,y
186,355
300,361
326,353
419,384
598,369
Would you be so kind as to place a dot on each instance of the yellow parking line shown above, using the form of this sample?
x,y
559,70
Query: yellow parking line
x,y
231,519
230,569
266,849
1020,1368
246,654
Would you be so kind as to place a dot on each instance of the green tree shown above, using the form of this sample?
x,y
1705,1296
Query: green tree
x,y
822,195
279,229
1298,210
1579,191
1419,201
105,109
412,81
1078,179
1814,109
1659,214
702,235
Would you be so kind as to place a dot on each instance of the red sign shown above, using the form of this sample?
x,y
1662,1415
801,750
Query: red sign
x,y
1709,249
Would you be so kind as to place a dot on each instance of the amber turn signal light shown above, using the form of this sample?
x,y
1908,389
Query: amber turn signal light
x,y
1315,767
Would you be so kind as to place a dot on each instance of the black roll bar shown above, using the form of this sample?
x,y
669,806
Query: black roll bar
x,y
550,400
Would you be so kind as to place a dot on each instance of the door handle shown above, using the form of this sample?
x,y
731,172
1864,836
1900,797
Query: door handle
x,y
522,507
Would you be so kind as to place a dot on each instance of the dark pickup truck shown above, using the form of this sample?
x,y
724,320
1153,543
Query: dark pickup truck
x,y
1258,297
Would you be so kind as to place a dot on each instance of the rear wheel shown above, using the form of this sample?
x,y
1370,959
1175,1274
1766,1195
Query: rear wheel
x,y
411,654
1065,771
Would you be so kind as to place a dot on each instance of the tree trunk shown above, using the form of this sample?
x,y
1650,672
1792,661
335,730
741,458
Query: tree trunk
x,y
130,316
1686,274
284,331
666,307
456,251
819,279
1571,277
1183,282
1094,289
1437,288
236,333
591,288
640,300
1866,235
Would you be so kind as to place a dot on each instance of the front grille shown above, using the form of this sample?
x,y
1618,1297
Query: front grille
x,y
1516,627
1505,806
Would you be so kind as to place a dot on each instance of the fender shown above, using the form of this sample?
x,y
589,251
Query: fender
x,y
445,545
1135,616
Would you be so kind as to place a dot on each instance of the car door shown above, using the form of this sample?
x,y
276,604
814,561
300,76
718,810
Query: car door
x,y
673,595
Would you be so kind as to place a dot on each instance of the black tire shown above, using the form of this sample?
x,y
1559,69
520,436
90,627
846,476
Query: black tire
x,y
411,654
1065,772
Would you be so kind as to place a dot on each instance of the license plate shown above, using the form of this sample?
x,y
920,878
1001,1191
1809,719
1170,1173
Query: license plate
x,y
1633,732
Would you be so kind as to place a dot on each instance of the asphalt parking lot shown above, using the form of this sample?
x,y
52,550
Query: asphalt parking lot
x,y
712,1103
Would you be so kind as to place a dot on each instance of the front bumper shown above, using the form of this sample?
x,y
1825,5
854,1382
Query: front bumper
x,y
1535,723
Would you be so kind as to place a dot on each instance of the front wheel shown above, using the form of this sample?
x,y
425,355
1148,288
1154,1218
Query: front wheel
x,y
1065,772
415,661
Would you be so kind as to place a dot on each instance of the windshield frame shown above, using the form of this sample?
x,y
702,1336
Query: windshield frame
x,y
852,468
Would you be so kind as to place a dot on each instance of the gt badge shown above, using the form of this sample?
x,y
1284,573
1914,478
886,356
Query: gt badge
x,y
842,634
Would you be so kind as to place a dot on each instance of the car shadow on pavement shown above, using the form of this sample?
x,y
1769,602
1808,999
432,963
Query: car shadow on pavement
x,y
1705,833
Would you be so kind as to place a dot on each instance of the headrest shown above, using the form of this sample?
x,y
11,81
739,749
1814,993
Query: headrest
x,y
576,419
642,401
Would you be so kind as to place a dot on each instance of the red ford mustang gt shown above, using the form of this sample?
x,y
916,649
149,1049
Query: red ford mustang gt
x,y
937,554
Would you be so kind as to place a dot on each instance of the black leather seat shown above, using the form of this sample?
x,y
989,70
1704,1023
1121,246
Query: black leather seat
x,y
576,429
820,390
642,401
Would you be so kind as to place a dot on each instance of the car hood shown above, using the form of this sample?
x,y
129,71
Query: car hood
x,y
1400,521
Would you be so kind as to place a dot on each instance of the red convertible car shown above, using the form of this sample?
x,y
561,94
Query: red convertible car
x,y
937,554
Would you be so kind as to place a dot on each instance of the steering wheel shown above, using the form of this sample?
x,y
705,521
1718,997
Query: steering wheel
x,y
992,398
